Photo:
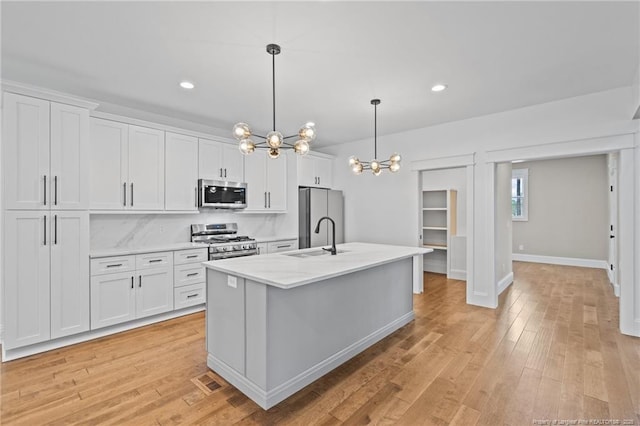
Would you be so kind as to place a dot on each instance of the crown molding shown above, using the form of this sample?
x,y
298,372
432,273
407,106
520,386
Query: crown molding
x,y
47,94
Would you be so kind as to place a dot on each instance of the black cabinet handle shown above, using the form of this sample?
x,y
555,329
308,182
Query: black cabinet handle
x,y
139,280
45,190
124,198
44,220
220,171
193,274
131,194
225,172
192,295
155,260
132,281
115,265
55,229
55,190
191,256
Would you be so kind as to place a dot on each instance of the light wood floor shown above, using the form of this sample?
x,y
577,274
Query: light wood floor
x,y
551,351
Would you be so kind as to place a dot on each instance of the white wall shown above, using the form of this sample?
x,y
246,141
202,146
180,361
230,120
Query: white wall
x,y
568,209
503,226
384,208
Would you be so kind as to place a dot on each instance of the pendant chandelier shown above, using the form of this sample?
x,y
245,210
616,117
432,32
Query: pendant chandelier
x,y
393,163
274,141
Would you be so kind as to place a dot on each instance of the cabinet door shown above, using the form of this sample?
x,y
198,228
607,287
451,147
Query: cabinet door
x,y
108,178
26,278
306,171
277,183
255,177
112,299
26,152
181,172
232,163
323,167
69,273
69,157
263,248
209,160
146,168
154,292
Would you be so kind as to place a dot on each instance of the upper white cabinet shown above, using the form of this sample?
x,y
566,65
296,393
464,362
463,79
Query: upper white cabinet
x,y
181,172
220,161
314,171
46,275
266,180
45,154
127,166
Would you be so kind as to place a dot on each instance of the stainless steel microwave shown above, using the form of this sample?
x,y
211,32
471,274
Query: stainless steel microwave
x,y
222,195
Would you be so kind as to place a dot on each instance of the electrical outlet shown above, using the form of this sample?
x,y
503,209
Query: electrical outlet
x,y
232,281
521,247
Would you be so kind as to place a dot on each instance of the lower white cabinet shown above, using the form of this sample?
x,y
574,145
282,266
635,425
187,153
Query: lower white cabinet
x,y
277,246
139,288
189,278
46,275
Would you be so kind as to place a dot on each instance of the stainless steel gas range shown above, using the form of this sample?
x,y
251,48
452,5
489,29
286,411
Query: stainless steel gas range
x,y
224,241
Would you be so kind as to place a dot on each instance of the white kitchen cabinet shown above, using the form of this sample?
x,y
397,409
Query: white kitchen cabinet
x,y
146,168
155,291
112,299
220,161
181,172
130,293
314,171
46,275
189,278
284,245
266,180
127,166
109,164
69,273
45,154
263,248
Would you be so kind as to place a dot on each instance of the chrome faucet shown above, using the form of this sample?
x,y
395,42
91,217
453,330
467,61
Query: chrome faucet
x,y
333,234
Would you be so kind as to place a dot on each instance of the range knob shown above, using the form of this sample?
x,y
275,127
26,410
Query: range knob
x,y
219,249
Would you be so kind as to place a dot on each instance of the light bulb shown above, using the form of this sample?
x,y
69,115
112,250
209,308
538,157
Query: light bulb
x,y
274,139
376,172
357,168
394,167
353,160
301,147
395,158
241,131
274,153
247,146
307,132
375,165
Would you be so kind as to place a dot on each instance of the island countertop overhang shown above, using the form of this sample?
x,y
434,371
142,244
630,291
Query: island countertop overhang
x,y
285,271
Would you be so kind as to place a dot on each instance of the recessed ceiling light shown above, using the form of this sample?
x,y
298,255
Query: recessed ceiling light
x,y
186,85
438,87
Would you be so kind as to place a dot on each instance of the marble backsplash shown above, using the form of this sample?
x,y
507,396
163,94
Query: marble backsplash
x,y
143,230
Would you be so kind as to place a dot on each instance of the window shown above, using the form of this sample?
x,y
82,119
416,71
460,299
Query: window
x,y
520,194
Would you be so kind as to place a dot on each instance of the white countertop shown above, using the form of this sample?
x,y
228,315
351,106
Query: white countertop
x,y
283,271
125,251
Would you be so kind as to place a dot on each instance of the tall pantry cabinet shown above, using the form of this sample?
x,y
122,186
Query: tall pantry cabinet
x,y
45,152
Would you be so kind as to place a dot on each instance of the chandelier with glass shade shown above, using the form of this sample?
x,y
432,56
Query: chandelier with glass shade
x,y
274,141
376,166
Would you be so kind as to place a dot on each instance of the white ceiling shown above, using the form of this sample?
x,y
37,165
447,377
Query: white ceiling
x,y
336,57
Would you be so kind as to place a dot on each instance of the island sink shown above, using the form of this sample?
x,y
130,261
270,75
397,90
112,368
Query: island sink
x,y
313,253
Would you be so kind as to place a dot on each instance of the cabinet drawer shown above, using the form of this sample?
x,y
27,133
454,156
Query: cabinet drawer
x,y
154,260
277,246
189,295
190,256
188,274
108,265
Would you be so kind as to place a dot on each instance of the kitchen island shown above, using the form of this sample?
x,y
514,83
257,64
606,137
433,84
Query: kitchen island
x,y
276,323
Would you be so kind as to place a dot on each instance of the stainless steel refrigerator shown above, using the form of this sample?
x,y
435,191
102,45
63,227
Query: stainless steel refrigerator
x,y
315,203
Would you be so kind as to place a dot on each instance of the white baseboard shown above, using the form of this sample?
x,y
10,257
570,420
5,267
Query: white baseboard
x,y
11,354
268,398
458,274
616,289
505,282
567,261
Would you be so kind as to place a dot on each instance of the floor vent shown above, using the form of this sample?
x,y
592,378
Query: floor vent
x,y
207,383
